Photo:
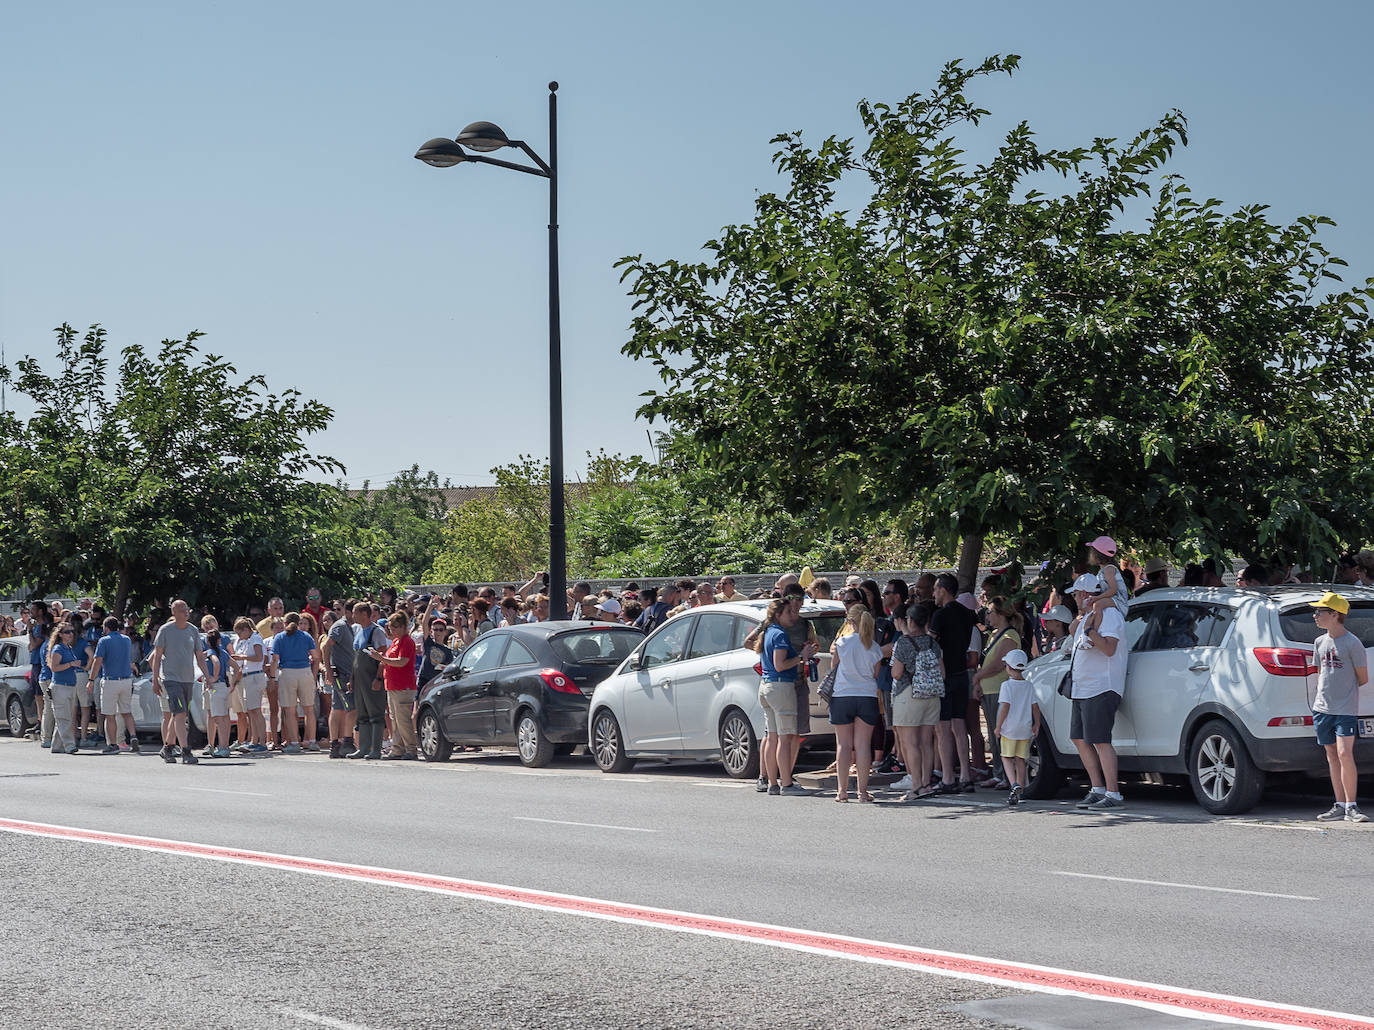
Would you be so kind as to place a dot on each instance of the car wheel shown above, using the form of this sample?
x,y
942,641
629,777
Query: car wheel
x,y
739,748
1224,779
432,743
14,715
1044,778
536,750
608,746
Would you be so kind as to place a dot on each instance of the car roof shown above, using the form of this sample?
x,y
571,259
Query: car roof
x,y
544,630
757,608
15,640
1283,593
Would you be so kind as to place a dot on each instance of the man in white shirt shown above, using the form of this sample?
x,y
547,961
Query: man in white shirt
x,y
1099,679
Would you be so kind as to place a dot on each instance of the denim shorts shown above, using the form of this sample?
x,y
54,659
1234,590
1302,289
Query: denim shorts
x,y
1329,727
844,710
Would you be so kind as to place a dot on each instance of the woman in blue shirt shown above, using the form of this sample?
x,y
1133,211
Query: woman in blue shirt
x,y
63,662
778,695
297,661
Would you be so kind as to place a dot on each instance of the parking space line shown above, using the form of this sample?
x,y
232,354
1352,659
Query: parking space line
x,y
218,790
1001,972
319,1020
595,826
1183,886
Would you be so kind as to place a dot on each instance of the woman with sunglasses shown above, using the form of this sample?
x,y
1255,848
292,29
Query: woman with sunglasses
x,y
63,661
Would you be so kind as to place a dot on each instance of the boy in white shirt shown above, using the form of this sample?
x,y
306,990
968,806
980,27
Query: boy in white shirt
x,y
1018,723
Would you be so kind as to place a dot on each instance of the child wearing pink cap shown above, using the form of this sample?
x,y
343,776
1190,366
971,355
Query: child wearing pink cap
x,y
1102,553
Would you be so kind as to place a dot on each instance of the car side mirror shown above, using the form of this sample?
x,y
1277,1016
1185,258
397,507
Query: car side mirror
x,y
634,661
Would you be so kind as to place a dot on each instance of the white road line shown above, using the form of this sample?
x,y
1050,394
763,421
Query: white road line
x,y
217,790
319,1020
595,826
716,783
1274,826
1185,886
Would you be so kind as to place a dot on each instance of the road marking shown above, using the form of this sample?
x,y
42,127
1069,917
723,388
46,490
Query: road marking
x,y
1185,886
217,790
717,783
595,826
1156,997
1274,826
319,1020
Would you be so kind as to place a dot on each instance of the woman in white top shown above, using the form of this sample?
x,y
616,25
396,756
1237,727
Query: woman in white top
x,y
247,653
854,706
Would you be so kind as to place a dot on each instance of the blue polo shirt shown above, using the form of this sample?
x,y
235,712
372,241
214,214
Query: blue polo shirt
x,y
776,639
293,649
65,677
116,654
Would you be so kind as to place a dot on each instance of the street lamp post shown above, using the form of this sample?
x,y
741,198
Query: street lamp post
x,y
483,138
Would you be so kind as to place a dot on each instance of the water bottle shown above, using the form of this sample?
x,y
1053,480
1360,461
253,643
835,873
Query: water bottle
x,y
813,669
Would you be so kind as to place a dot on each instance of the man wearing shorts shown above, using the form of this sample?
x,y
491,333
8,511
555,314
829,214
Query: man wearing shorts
x,y
1341,672
112,667
1099,680
337,659
952,626
176,656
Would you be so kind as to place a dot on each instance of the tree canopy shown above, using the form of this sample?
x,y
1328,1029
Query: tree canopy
x,y
1045,345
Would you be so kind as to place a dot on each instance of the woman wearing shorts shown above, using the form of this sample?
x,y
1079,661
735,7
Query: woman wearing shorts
x,y
297,659
918,674
854,705
248,653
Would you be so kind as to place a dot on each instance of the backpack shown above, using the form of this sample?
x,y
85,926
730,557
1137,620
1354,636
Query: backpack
x,y
926,680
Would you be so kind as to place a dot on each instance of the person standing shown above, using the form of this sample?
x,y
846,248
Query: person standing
x,y
39,631
778,696
1002,620
314,606
1018,723
113,668
857,660
216,690
63,661
297,662
248,653
952,626
1099,680
1341,672
398,670
336,656
176,656
369,696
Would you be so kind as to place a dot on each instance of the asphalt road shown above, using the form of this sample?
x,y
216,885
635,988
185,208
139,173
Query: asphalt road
x,y
183,941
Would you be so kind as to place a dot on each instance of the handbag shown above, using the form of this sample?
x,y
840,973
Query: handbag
x,y
1066,683
827,687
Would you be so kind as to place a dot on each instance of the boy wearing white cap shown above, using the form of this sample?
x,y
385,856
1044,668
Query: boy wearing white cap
x,y
1341,672
1018,723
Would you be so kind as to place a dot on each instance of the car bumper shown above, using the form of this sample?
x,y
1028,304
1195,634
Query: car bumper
x,y
1303,754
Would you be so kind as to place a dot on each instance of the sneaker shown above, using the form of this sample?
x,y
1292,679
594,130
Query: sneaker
x,y
209,752
1014,797
774,790
313,746
1090,800
257,749
110,749
903,784
45,743
291,749
133,744
73,750
762,786
99,738
1106,804
189,758
168,755
795,790
221,752
1354,815
176,750
887,765
1334,814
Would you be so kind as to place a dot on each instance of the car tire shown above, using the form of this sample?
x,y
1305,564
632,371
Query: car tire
x,y
531,743
1225,780
739,747
1044,778
14,716
608,744
430,736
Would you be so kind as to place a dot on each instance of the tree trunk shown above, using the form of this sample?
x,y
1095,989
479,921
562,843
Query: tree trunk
x,y
121,597
970,554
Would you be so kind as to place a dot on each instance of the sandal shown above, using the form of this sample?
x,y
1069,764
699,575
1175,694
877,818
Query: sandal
x,y
865,798
926,792
842,798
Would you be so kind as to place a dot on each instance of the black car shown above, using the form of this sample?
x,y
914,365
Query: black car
x,y
524,685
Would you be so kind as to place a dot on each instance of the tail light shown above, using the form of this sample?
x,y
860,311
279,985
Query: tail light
x,y
758,668
556,680
1290,720
1285,661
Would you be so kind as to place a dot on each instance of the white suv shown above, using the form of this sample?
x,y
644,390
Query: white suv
x,y
691,690
1219,688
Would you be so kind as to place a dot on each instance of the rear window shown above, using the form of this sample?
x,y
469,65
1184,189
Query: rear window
x,y
826,626
1298,626
596,646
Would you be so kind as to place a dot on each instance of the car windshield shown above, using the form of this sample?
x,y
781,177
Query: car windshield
x,y
1299,626
595,645
826,626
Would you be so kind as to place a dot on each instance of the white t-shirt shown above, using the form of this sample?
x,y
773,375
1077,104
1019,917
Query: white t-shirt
x,y
1093,672
854,667
246,647
1016,694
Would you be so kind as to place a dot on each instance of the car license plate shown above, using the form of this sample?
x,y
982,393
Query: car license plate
x,y
1365,727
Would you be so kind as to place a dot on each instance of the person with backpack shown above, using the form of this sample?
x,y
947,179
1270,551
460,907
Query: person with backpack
x,y
918,684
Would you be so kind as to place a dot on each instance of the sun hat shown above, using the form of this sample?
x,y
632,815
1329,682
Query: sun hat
x,y
1335,602
1015,659
1086,583
1156,565
1059,614
1104,545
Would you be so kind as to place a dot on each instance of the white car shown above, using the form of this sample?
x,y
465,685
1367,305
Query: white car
x,y
20,710
1219,689
691,690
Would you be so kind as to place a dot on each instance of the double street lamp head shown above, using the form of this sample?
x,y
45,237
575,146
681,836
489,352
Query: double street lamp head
x,y
441,153
483,137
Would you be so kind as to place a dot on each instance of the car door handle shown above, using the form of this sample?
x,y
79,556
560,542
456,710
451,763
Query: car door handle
x,y
716,674
1198,668
666,684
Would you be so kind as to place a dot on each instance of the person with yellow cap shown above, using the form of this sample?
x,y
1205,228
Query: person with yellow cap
x,y
1341,672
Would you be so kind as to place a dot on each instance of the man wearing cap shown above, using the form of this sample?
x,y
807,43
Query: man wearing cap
x,y
609,609
1156,576
1099,679
1341,672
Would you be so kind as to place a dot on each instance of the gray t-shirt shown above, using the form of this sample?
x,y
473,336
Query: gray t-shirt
x,y
179,649
341,654
1338,692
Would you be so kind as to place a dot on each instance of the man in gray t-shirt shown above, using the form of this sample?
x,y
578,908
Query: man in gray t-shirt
x,y
176,657
1341,672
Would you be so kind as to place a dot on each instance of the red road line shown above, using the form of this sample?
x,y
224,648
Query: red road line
x,y
1176,1000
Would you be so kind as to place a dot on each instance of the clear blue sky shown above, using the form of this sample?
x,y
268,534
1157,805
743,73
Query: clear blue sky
x,y
245,169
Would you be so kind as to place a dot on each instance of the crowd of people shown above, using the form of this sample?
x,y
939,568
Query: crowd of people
x,y
925,680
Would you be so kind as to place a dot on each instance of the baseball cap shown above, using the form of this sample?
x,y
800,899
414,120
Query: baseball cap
x,y
1104,545
1015,659
1156,565
1335,602
438,620
610,605
1086,583
1059,614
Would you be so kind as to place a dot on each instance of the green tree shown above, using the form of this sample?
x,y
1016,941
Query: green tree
x,y
175,475
972,352
503,536
406,522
